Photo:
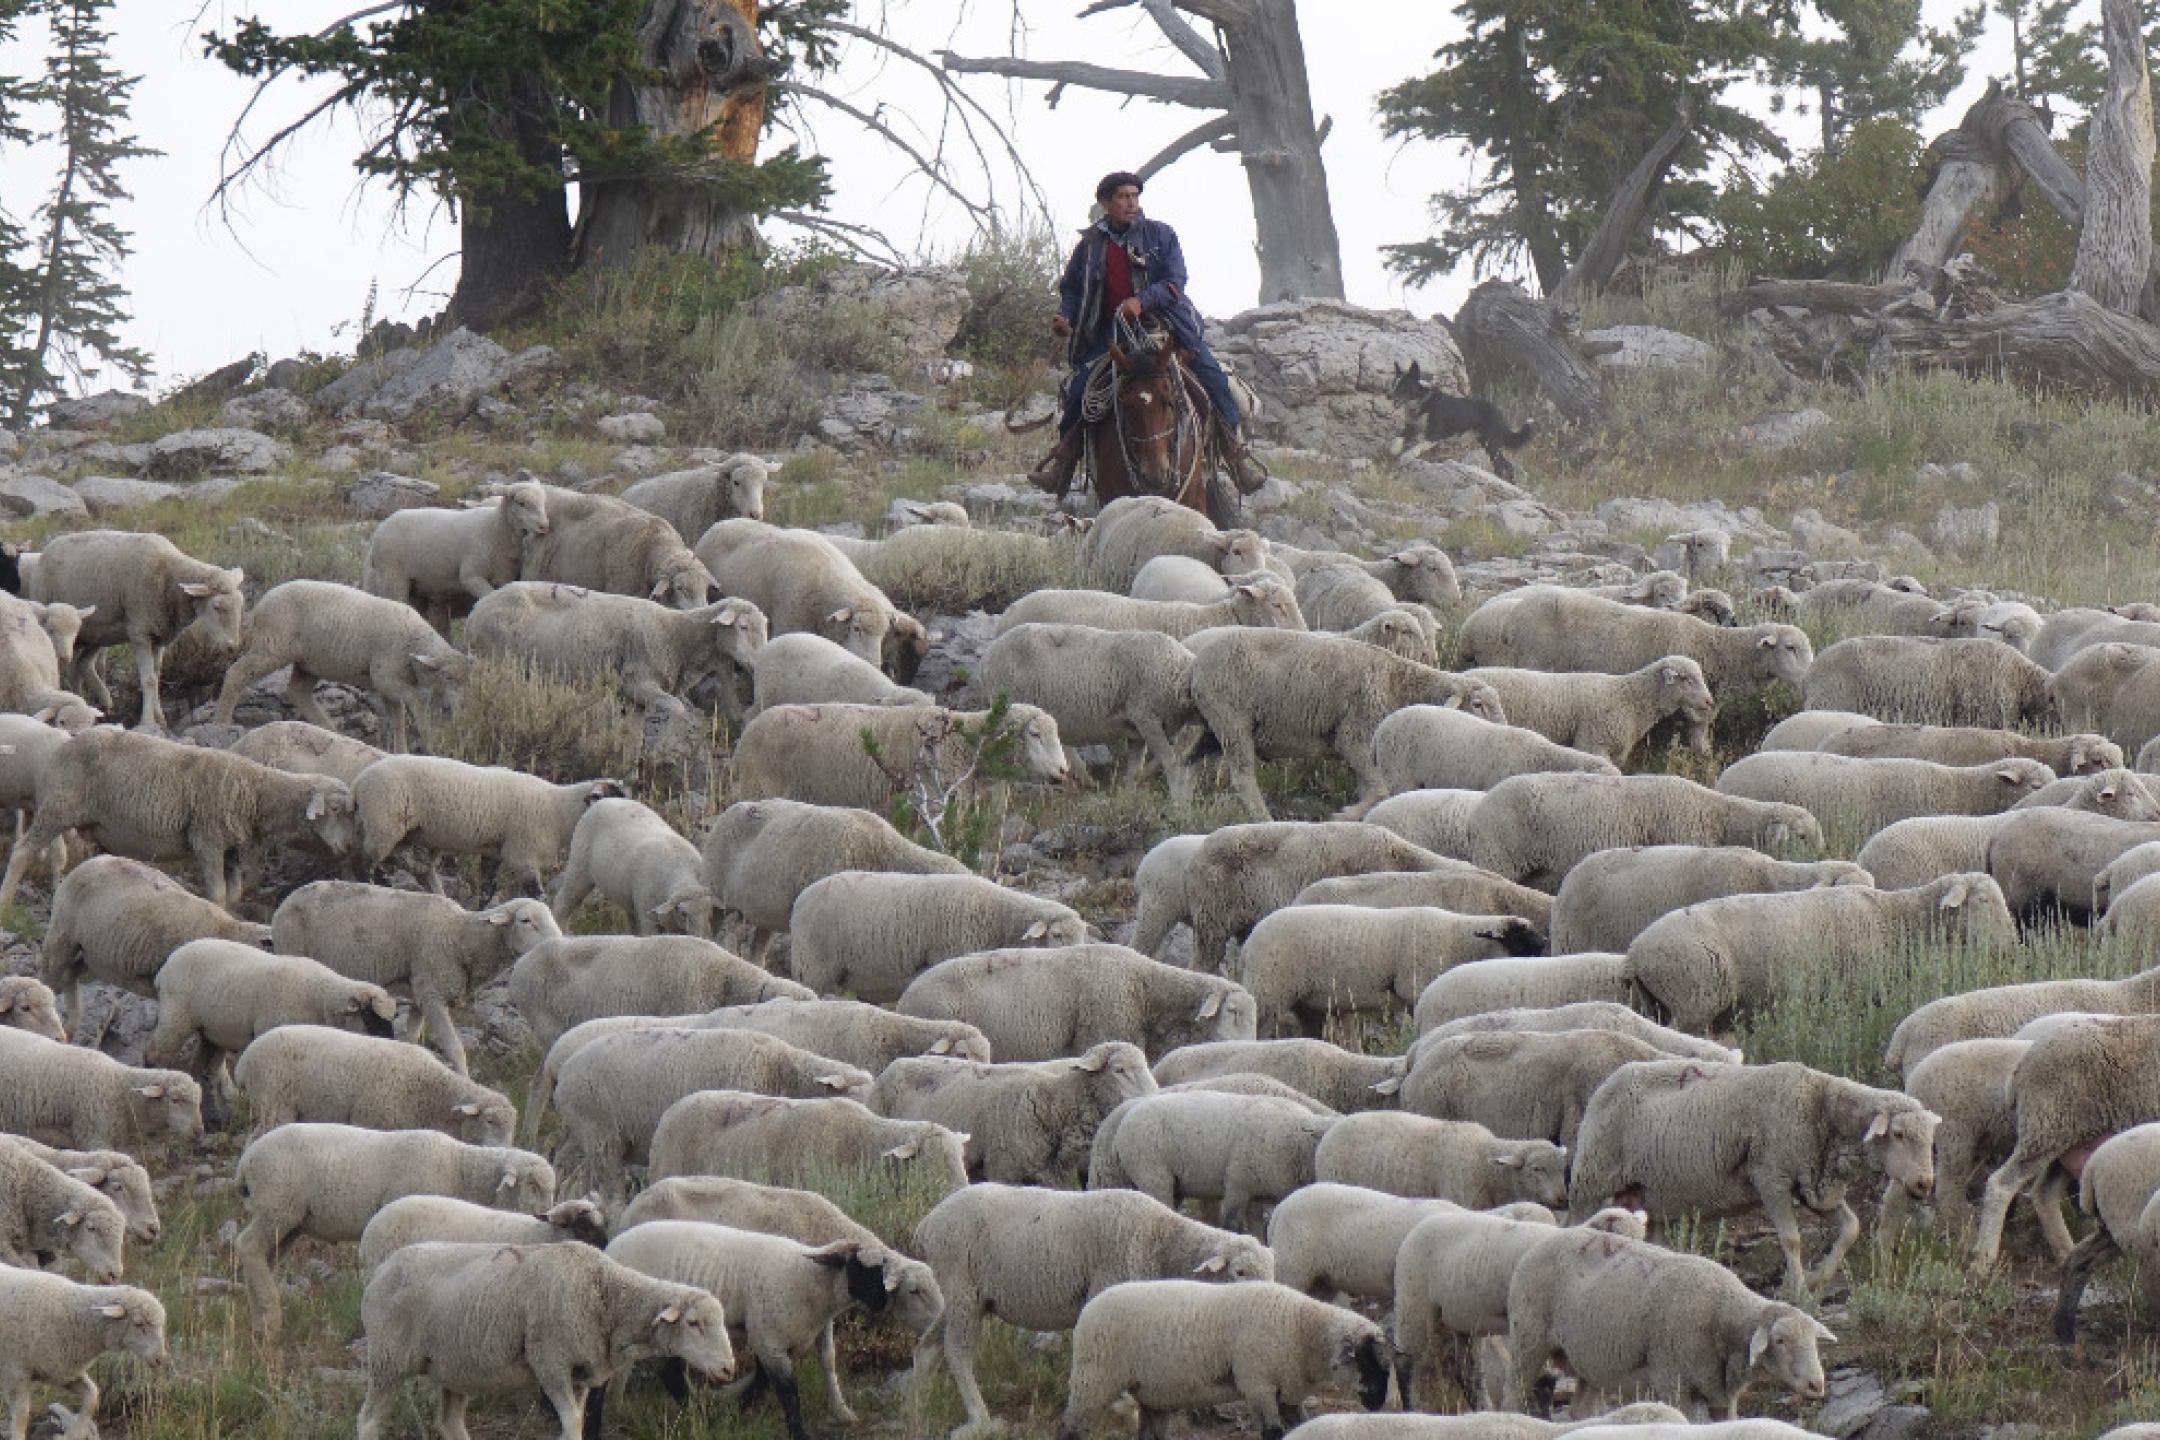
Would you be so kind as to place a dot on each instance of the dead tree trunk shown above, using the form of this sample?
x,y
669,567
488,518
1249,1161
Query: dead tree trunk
x,y
2115,243
1503,330
1979,165
1255,74
706,77
1626,210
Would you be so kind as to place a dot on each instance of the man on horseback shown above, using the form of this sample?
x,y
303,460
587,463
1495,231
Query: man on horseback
x,y
1129,266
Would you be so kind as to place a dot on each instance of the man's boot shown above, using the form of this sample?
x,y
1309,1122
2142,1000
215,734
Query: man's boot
x,y
1054,472
1246,473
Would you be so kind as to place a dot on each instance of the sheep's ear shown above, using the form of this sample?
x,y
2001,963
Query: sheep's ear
x,y
1036,931
892,1278
943,1047
46,715
385,1007
1213,1265
1768,642
1092,1065
1388,1086
6,1005
1210,1007
2008,777
92,1177
151,1092
113,1312
68,1219
425,662
1823,1333
498,919
670,1316
903,1152
196,589
841,616
1878,1127
467,1109
1757,1344
1955,895
508,1182
833,1082
1670,674
1453,702
315,807
724,618
1508,1162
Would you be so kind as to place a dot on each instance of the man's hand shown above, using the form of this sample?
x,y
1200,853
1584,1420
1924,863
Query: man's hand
x,y
1130,309
1060,326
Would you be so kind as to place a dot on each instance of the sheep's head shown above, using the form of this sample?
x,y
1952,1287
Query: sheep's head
x,y
367,1009
127,1185
1787,827
329,814
1229,1013
1042,751
1974,907
1398,633
691,912
2015,779
685,584
912,1296
1712,607
580,1221
527,1184
2085,754
1475,697
488,1120
1267,602
1901,1142
693,1329
1363,1358
63,623
1620,1220
1237,1257
1425,574
441,676
1118,1067
1531,1170
523,924
166,1103
1783,1349
524,509
742,485
1239,552
1514,936
135,1322
739,630
1782,652
94,1234
858,629
906,642
25,1004
218,606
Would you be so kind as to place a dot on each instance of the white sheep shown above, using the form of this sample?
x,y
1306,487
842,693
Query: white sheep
x,y
1536,828
1134,530
807,669
638,863
415,1219
1864,795
1341,1239
137,590
1102,687
1544,627
2117,1186
424,946
1027,1124
1341,1080
869,755
1520,1086
870,933
1180,578
650,651
1449,885
1606,715
1931,682
30,1005
1493,1425
800,1142
1967,1084
437,558
2048,857
47,1213
27,746
1438,820
1039,1004
566,981
693,501
1343,597
222,994
800,1215
328,1181
494,1319
1428,747
1484,986
1690,1137
299,748
56,1328
83,1100
316,1075
1180,1345
1446,1159
1307,963
1614,895
30,667
601,543
2000,1011
802,583
1034,1258
115,1176
447,806
1968,745
1237,1150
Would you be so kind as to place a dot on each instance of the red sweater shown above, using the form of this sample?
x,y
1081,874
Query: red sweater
x,y
1117,278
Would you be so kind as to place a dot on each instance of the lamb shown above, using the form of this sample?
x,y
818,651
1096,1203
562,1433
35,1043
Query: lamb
x,y
328,1181
952,570
614,1092
819,753
1236,1150
1308,962
448,806
136,590
493,1319
29,1005
2070,632
1911,852
1102,687
1180,578
1402,632
1864,796
2088,1077
1242,873
1160,904
2066,755
2134,915
1254,602
113,1175
1458,886
693,501
1343,597
807,669
30,667
1931,682
46,1213
1712,963
2117,1184
801,1215
2049,858
1027,1124
1519,1086
1275,693
870,933
298,748
27,747
222,994
1967,1084
2114,689
1543,627
639,864
1438,820
1041,1004
1815,729
1606,715
2126,789
424,946
2123,872
1181,1344
1484,986
601,543
801,583
1486,1425
650,651
2000,1011
1339,1079
1341,1239
1628,1314
153,799
1872,606
436,557
780,1295
334,632
1614,895
416,1219
799,1142
57,1329
314,1074
1428,747
1446,1159
1034,1258
566,981
68,1096
1449,1278
1130,532
1584,1015
1536,828
1683,1137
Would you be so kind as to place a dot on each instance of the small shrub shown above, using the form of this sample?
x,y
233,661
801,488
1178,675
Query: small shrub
x,y
515,714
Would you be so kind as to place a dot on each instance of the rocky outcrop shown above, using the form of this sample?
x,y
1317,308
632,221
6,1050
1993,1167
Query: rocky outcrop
x,y
93,412
919,311
1323,370
1646,347
447,378
186,454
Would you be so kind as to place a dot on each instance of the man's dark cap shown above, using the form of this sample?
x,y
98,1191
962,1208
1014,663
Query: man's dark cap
x,y
1115,181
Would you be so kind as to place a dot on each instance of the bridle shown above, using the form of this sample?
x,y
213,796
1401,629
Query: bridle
x,y
1185,428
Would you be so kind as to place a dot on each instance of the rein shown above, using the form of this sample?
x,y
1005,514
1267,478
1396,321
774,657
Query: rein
x,y
1101,398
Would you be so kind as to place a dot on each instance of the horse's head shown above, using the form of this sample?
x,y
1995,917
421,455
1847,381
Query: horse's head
x,y
1151,405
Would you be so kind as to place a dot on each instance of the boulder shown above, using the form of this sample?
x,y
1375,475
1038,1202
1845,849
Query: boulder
x,y
1969,531
381,493
25,496
867,412
185,454
1782,429
94,412
641,428
1812,533
919,311
265,407
10,443
1324,370
1647,347
446,378
105,494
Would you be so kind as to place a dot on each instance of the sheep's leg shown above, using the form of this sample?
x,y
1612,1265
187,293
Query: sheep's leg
x,y
1777,1203
300,694
247,668
146,673
1266,1408
1529,1347
256,1246
2003,1187
568,1398
442,1030
570,892
1848,1234
1244,763
212,859
87,682
1895,1212
1176,774
784,1386
963,1330
450,1415
2048,1204
756,952
830,1360
382,1398
26,849
2085,1257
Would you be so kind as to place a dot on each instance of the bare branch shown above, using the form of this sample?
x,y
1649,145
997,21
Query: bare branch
x,y
858,238
1214,132
1189,42
227,182
1170,89
934,170
1219,12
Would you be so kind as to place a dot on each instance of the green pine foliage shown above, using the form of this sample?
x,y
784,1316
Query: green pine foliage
x,y
1869,60
1835,213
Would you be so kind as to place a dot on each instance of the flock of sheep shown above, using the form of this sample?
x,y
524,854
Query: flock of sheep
x,y
1575,946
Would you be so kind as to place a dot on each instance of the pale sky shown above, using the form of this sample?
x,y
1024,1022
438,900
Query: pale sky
x,y
295,262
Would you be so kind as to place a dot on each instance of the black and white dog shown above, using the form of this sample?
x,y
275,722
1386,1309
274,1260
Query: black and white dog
x,y
1431,414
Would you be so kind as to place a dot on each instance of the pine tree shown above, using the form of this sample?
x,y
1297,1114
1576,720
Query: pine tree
x,y
14,279
70,305
1878,61
2053,56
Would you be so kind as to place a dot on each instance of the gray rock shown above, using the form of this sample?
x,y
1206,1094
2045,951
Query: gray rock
x,y
1855,1399
959,647
1460,485
867,412
362,380
1323,370
1649,347
1897,1422
1273,495
1968,532
338,460
10,443
105,494
920,311
186,454
265,407
445,378
286,374
639,460
1523,517
1782,429
1821,537
641,428
26,496
94,412
381,493
218,487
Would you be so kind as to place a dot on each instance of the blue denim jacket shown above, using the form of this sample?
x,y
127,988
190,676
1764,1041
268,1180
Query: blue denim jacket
x,y
1158,262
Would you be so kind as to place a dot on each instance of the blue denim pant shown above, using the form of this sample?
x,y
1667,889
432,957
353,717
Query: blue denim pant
x,y
1206,369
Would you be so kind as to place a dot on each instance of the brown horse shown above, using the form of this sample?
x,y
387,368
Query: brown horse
x,y
1154,437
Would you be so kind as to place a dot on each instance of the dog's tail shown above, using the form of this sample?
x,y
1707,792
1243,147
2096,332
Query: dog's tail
x,y
1516,438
